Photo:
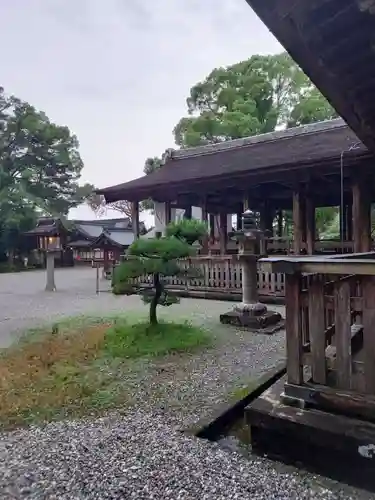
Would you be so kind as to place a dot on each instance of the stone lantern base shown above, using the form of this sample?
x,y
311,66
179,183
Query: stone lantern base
x,y
254,317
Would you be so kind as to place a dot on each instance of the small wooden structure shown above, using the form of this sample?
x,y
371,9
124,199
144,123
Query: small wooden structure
x,y
51,234
101,240
329,390
82,242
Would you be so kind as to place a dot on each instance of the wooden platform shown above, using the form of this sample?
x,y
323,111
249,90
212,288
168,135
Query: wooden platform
x,y
329,444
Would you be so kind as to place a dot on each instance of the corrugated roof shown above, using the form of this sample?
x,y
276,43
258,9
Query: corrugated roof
x,y
301,145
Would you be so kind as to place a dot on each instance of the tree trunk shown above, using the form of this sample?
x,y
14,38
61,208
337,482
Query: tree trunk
x,y
155,301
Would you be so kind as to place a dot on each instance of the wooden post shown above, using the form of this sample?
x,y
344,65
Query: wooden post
x,y
223,233
343,216
349,222
298,222
211,221
246,203
135,219
239,221
280,223
266,219
368,288
204,249
361,217
310,225
187,214
316,329
293,329
343,334
168,213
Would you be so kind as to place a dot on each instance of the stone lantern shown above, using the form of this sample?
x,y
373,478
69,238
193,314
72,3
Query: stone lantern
x,y
52,249
250,312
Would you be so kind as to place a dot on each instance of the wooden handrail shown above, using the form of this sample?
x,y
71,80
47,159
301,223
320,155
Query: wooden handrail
x,y
361,264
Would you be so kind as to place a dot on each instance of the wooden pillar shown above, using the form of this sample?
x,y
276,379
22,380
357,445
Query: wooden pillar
x,y
205,239
239,221
105,260
168,212
135,219
266,219
280,223
298,222
211,222
349,222
187,214
246,203
361,217
310,225
223,226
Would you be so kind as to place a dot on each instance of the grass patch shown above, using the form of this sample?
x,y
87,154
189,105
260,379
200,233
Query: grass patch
x,y
141,339
79,367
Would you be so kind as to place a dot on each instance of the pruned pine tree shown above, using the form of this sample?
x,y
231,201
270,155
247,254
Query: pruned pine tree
x,y
155,259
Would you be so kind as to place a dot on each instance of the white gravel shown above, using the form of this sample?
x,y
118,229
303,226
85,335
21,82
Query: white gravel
x,y
137,456
141,454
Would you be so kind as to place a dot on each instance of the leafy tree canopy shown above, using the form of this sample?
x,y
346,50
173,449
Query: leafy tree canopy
x,y
249,98
39,166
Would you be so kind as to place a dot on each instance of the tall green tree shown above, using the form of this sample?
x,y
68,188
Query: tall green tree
x,y
39,166
249,98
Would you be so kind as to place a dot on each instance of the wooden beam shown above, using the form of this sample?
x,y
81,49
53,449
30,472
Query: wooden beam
x,y
320,265
334,400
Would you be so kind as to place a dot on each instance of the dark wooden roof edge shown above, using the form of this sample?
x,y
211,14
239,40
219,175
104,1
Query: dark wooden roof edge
x,y
236,144
135,192
277,135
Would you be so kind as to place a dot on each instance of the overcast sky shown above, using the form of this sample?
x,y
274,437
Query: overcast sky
x,y
118,72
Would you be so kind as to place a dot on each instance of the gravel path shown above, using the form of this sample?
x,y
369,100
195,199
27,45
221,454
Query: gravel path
x,y
141,454
138,456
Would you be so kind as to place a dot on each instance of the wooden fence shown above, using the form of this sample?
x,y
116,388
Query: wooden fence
x,y
223,274
330,331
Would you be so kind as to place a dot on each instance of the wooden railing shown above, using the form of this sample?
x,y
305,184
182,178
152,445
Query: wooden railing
x,y
277,245
223,274
330,331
